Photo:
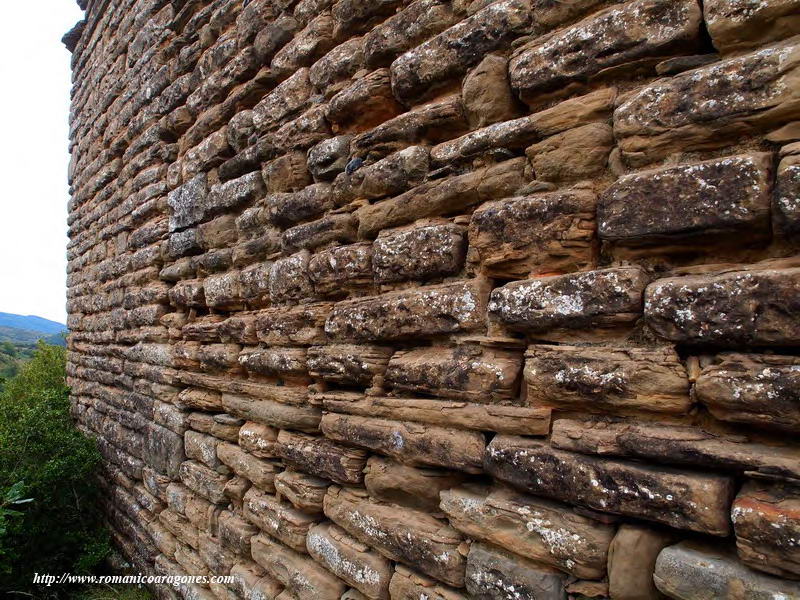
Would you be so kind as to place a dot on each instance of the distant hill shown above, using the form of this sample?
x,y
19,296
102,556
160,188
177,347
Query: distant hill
x,y
31,323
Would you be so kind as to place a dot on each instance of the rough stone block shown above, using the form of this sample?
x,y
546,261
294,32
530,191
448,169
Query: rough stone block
x,y
451,53
276,362
322,458
691,570
684,500
786,206
297,326
305,492
336,271
534,235
411,443
487,94
278,519
389,176
736,25
273,413
348,364
632,560
163,450
494,574
595,299
204,481
580,153
419,252
329,158
465,372
440,309
729,196
549,533
287,99
289,208
753,389
187,203
350,560
202,448
224,291
413,487
235,533
607,379
411,537
766,520
564,59
365,103
408,585
334,228
289,282
260,472
752,308
258,439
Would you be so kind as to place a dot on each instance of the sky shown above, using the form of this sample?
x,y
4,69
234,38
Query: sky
x,y
34,112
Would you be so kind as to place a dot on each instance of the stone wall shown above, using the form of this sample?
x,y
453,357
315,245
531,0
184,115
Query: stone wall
x,y
433,299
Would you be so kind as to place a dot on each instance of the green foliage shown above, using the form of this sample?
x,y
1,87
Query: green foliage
x,y
49,521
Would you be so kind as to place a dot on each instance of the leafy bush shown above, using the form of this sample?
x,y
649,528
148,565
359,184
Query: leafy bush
x,y
49,518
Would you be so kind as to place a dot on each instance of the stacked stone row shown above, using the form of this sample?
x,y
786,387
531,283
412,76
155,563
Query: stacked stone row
x,y
441,300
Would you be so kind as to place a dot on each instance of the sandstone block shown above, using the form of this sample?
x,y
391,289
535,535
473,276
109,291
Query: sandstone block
x,y
335,69
766,520
463,372
675,444
276,362
753,307
272,413
235,193
305,492
752,389
462,415
365,103
163,450
329,229
442,197
300,574
413,487
288,208
537,234
329,158
278,519
494,574
710,106
357,16
221,426
549,533
258,439
786,208
200,399
204,481
235,533
737,24
632,561
307,45
287,99
408,585
203,448
338,270
389,176
487,94
605,299
289,282
301,325
717,197
187,203
564,59
260,472
350,560
689,570
439,309
419,252
288,173
224,291
348,364
607,380
579,153
411,443
680,499
452,52
321,457
411,537
188,293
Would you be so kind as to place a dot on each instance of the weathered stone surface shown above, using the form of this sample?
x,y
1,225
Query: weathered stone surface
x,y
439,309
224,291
321,457
464,372
494,574
338,270
308,45
287,173
487,94
331,71
537,234
329,157
411,537
187,203
203,481
279,520
604,299
411,443
738,24
693,571
561,61
305,492
287,99
747,307
355,16
675,444
203,448
300,574
414,487
163,449
520,133
235,533
288,208
419,252
260,472
607,380
389,176
452,52
786,207
272,413
753,389
365,103
408,585
348,364
462,415
283,362
549,533
336,228
696,201
578,153
350,560
442,197
258,439
632,560
766,520
301,325
707,107
200,399
684,500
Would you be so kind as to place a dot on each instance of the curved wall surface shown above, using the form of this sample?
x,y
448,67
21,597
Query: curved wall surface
x,y
433,299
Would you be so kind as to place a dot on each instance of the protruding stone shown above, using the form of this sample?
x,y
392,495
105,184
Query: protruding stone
x,y
736,25
419,252
413,487
632,560
487,93
579,153
321,457
348,364
280,520
494,574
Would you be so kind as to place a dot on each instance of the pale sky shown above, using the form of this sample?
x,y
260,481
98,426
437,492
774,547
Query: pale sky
x,y
34,109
